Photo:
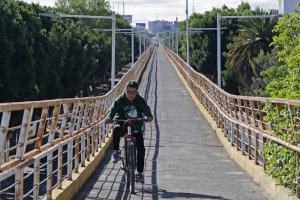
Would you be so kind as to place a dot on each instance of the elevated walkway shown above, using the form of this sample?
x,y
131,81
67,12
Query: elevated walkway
x,y
184,156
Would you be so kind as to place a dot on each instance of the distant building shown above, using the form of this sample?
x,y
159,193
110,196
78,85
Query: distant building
x,y
287,6
141,27
160,26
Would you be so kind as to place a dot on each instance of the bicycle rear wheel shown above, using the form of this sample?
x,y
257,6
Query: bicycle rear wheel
x,y
131,172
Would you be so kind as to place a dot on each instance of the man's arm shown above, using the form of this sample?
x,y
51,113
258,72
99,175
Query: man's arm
x,y
112,111
146,110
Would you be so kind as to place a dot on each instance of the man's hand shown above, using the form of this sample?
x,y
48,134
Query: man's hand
x,y
108,121
149,119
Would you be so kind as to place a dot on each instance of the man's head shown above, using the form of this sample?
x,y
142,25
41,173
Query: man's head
x,y
131,90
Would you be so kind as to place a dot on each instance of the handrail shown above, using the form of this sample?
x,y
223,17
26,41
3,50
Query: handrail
x,y
53,138
241,118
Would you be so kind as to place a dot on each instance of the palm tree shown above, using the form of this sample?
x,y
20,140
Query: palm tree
x,y
255,35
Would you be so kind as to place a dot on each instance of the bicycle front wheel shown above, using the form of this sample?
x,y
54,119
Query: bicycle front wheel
x,y
132,167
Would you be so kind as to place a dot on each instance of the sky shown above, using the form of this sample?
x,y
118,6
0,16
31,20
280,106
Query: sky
x,y
143,11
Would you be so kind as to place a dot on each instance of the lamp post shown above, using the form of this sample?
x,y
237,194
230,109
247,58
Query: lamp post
x,y
144,41
177,35
140,39
187,34
113,19
219,17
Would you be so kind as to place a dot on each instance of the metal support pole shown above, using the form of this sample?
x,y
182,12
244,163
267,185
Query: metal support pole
x,y
219,48
140,43
187,35
177,35
113,50
144,41
132,47
172,47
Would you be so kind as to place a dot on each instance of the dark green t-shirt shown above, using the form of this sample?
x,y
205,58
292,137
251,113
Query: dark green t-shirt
x,y
122,108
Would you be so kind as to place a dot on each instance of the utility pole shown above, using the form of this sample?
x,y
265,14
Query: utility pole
x,y
187,34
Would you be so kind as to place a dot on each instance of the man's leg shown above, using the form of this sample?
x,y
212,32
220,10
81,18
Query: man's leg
x,y
117,134
140,156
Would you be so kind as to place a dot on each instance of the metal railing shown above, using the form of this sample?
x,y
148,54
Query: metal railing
x,y
241,118
44,142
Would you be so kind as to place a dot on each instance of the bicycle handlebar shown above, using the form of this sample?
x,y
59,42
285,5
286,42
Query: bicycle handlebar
x,y
127,120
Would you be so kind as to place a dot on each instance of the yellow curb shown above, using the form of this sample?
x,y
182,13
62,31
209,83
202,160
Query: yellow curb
x,y
70,188
277,192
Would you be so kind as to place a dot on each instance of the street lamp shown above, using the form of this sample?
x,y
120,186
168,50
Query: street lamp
x,y
187,34
177,35
113,19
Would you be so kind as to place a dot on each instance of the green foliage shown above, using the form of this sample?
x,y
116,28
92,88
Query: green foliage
x,y
230,79
203,44
254,35
17,74
284,83
281,161
47,58
262,65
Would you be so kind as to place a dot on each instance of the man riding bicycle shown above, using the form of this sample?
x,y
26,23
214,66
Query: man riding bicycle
x,y
127,106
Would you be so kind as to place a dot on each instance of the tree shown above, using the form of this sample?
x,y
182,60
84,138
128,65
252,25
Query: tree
x,y
17,77
255,35
203,45
281,161
262,65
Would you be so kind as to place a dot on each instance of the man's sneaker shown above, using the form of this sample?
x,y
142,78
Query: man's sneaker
x,y
116,156
140,177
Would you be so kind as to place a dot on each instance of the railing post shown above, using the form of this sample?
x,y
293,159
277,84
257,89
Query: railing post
x,y
76,159
79,121
249,144
246,111
3,133
88,152
86,111
69,165
19,188
73,117
93,142
49,175
36,182
54,123
42,126
60,168
64,120
261,116
24,133
253,113
256,148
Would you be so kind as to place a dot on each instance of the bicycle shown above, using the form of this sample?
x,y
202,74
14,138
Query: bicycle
x,y
128,156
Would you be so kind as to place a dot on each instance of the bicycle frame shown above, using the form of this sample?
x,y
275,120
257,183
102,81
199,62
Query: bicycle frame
x,y
130,159
129,162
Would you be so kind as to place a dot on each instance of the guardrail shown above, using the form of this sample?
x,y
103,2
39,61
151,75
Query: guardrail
x,y
53,138
241,118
